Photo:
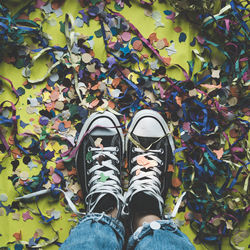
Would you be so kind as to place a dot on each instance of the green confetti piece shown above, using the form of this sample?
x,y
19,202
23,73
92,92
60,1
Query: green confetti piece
x,y
90,98
118,7
103,177
62,27
98,33
89,156
94,2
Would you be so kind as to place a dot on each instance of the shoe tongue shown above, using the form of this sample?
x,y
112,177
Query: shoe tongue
x,y
105,141
146,141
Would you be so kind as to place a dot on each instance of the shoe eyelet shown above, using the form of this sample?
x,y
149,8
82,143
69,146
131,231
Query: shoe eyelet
x,y
116,149
161,163
133,149
89,149
88,161
161,151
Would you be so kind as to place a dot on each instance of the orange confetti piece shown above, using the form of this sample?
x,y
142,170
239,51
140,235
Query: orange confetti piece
x,y
137,45
178,100
23,16
72,172
176,182
18,236
166,42
80,194
167,60
56,125
16,153
56,4
94,103
60,166
54,95
67,124
171,168
37,19
25,83
10,59
111,104
177,29
11,140
31,119
209,86
116,82
95,87
153,38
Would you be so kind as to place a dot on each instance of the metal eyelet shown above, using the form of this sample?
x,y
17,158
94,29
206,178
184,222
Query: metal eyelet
x,y
161,163
161,151
116,149
89,149
133,149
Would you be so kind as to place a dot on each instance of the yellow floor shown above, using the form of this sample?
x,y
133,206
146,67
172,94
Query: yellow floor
x,y
146,25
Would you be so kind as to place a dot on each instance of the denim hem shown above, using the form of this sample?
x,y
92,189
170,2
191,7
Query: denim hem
x,y
114,223
146,229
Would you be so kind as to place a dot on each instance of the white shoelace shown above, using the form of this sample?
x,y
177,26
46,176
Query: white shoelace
x,y
111,185
146,181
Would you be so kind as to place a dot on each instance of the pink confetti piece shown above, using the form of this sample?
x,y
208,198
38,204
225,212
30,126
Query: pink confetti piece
x,y
200,39
126,36
39,4
26,216
56,178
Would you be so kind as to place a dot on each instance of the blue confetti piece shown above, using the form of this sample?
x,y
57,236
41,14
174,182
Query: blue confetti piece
x,y
20,91
167,12
18,247
193,42
1,168
23,124
61,127
182,37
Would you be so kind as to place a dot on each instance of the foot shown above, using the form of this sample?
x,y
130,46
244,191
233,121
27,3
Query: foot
x,y
148,164
99,160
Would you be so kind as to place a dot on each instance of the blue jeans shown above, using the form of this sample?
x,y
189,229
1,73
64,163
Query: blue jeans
x,y
99,231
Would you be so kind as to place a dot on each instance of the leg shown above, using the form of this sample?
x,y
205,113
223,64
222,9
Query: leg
x,y
96,231
158,235
98,161
149,152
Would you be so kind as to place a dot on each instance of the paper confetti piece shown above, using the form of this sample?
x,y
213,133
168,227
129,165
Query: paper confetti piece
x,y
27,216
18,236
103,177
1,211
176,182
177,29
3,197
219,153
182,37
16,216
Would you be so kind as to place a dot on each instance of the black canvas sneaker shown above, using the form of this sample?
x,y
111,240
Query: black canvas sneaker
x,y
148,165
99,160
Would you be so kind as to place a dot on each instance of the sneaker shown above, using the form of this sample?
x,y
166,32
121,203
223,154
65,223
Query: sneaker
x,y
148,163
99,160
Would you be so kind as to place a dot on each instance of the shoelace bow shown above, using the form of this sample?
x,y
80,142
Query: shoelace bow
x,y
111,183
146,181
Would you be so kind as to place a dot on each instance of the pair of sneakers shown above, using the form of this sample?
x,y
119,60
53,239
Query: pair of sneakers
x,y
100,157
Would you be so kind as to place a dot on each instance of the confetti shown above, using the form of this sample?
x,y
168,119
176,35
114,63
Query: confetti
x,y
26,216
